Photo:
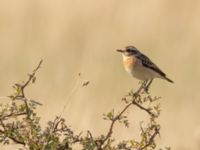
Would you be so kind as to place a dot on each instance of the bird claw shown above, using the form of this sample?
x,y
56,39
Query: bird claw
x,y
146,89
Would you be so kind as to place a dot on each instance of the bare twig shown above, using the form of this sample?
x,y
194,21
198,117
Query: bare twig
x,y
145,109
151,139
12,114
91,137
16,140
108,135
31,76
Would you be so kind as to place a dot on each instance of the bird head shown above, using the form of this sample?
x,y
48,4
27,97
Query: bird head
x,y
128,51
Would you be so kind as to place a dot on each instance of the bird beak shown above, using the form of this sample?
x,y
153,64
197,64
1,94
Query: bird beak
x,y
119,50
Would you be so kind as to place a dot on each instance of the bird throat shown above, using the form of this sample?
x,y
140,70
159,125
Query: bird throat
x,y
129,63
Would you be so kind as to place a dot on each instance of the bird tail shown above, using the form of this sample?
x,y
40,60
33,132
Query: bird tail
x,y
169,80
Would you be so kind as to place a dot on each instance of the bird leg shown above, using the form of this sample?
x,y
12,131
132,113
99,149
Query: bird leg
x,y
144,83
146,88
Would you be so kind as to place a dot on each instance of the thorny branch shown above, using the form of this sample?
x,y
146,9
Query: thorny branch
x,y
19,95
13,115
145,109
116,118
120,114
31,78
57,135
151,139
23,86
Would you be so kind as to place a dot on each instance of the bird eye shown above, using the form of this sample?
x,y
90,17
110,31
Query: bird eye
x,y
128,50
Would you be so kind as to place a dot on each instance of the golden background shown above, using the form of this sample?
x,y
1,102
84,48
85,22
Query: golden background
x,y
82,36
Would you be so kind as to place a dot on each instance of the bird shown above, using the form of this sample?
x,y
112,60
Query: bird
x,y
141,67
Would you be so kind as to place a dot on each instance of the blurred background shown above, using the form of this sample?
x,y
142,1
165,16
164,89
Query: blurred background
x,y
82,36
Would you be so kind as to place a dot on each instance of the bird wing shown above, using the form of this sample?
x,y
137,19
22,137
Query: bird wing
x,y
146,62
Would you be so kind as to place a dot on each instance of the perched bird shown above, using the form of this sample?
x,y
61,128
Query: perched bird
x,y
140,66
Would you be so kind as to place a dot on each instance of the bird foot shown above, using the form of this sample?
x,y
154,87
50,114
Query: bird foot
x,y
146,89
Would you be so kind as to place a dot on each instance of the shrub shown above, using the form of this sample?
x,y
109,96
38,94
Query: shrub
x,y
20,124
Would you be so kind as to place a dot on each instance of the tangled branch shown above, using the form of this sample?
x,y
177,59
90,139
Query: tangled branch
x,y
20,124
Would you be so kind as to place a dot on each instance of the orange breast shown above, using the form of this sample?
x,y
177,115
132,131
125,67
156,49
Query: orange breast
x,y
129,62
